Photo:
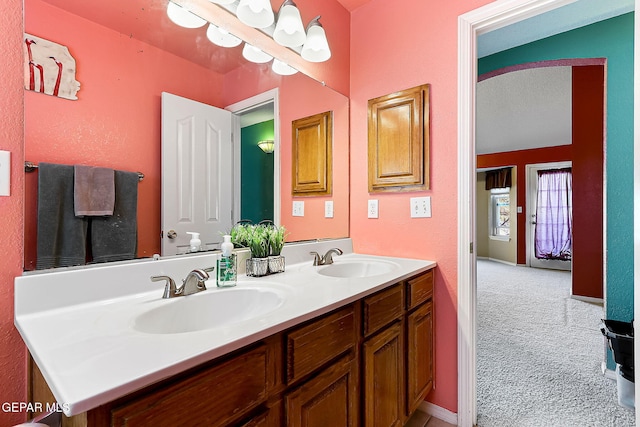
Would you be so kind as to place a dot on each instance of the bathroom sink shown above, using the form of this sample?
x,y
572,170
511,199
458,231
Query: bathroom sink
x,y
357,268
207,310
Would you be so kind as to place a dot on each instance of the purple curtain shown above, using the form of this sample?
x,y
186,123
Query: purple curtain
x,y
553,215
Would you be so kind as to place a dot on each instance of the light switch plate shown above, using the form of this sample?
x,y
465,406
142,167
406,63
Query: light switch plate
x,y
298,208
421,207
328,209
5,173
372,209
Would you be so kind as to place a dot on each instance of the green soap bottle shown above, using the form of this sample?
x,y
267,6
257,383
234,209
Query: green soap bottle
x,y
226,271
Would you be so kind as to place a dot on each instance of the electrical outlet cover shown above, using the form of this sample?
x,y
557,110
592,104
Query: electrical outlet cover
x,y
5,173
328,209
372,209
298,208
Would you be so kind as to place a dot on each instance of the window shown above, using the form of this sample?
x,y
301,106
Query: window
x,y
499,213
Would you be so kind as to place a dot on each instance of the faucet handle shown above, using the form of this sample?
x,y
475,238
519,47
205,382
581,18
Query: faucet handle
x,y
169,287
317,259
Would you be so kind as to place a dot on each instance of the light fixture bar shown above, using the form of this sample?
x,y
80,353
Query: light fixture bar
x,y
223,17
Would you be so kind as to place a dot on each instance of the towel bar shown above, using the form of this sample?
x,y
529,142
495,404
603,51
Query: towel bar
x,y
31,167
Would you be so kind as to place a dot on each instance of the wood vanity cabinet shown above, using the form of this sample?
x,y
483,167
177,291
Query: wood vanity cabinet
x,y
367,363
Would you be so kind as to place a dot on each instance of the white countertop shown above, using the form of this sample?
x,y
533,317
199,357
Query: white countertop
x,y
78,324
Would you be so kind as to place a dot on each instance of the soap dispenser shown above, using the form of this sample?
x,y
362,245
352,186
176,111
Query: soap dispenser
x,y
226,271
194,243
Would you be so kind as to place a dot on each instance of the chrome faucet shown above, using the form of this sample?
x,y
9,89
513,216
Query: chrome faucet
x,y
193,284
327,258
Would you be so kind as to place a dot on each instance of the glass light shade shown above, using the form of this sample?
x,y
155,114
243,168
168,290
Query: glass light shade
x,y
221,37
283,69
181,16
253,54
255,13
316,48
266,146
222,1
289,30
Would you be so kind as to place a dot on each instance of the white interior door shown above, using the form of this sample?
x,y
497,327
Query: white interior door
x,y
197,175
532,197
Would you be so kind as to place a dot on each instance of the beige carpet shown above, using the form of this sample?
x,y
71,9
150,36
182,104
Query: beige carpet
x,y
540,353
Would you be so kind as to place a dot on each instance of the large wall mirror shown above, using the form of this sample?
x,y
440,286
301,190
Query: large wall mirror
x,y
127,54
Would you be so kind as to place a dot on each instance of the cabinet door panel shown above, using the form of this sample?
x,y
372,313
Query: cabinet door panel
x,y
212,398
330,399
383,356
419,355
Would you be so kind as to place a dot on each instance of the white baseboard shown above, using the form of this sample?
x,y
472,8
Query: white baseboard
x,y
439,412
588,299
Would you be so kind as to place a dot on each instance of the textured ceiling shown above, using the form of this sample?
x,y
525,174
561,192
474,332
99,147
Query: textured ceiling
x,y
524,109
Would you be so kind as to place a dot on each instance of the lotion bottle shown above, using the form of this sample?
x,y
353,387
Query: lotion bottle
x,y
226,265
195,242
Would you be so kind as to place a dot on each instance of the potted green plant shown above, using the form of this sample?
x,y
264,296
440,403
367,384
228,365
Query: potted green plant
x,y
258,243
276,243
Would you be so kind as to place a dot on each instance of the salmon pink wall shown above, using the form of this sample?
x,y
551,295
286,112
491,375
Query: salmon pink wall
x,y
397,46
116,120
12,349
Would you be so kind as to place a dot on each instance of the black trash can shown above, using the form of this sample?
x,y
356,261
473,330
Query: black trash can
x,y
620,338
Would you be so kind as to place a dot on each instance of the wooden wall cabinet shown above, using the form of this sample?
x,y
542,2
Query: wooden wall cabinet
x,y
399,141
312,141
368,363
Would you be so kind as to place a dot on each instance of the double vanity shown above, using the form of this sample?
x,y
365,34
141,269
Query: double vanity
x,y
349,343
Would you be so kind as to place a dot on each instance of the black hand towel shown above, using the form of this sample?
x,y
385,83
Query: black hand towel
x,y
115,238
61,236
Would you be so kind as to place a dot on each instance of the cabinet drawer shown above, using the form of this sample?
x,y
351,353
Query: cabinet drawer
x,y
419,289
311,346
213,397
381,309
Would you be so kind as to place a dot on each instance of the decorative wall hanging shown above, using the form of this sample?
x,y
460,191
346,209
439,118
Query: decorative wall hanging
x,y
49,68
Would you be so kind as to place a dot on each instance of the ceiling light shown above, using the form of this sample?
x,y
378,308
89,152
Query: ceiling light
x,y
181,16
253,54
282,68
267,146
316,48
289,30
255,13
222,37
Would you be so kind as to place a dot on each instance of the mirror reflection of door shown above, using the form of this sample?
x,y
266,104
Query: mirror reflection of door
x,y
197,173
549,201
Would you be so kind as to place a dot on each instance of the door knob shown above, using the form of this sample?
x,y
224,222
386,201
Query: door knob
x,y
172,234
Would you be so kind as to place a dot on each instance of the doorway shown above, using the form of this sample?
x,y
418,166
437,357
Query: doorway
x,y
483,20
541,252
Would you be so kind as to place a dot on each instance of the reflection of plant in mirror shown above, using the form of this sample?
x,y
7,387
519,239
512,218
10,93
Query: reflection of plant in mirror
x,y
240,235
276,239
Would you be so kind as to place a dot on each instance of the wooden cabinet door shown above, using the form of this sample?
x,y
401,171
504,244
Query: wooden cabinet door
x,y
383,383
419,355
328,400
399,141
311,156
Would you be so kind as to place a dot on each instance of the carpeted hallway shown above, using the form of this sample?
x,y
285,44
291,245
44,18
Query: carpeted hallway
x,y
540,352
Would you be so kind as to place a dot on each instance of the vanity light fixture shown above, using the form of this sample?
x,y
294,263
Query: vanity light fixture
x,y
282,68
181,16
253,54
222,37
289,30
255,13
267,146
316,48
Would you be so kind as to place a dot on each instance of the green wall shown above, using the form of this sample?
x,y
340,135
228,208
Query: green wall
x,y
611,39
256,176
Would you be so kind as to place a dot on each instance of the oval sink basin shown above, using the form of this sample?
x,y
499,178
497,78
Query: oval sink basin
x,y
356,269
207,310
